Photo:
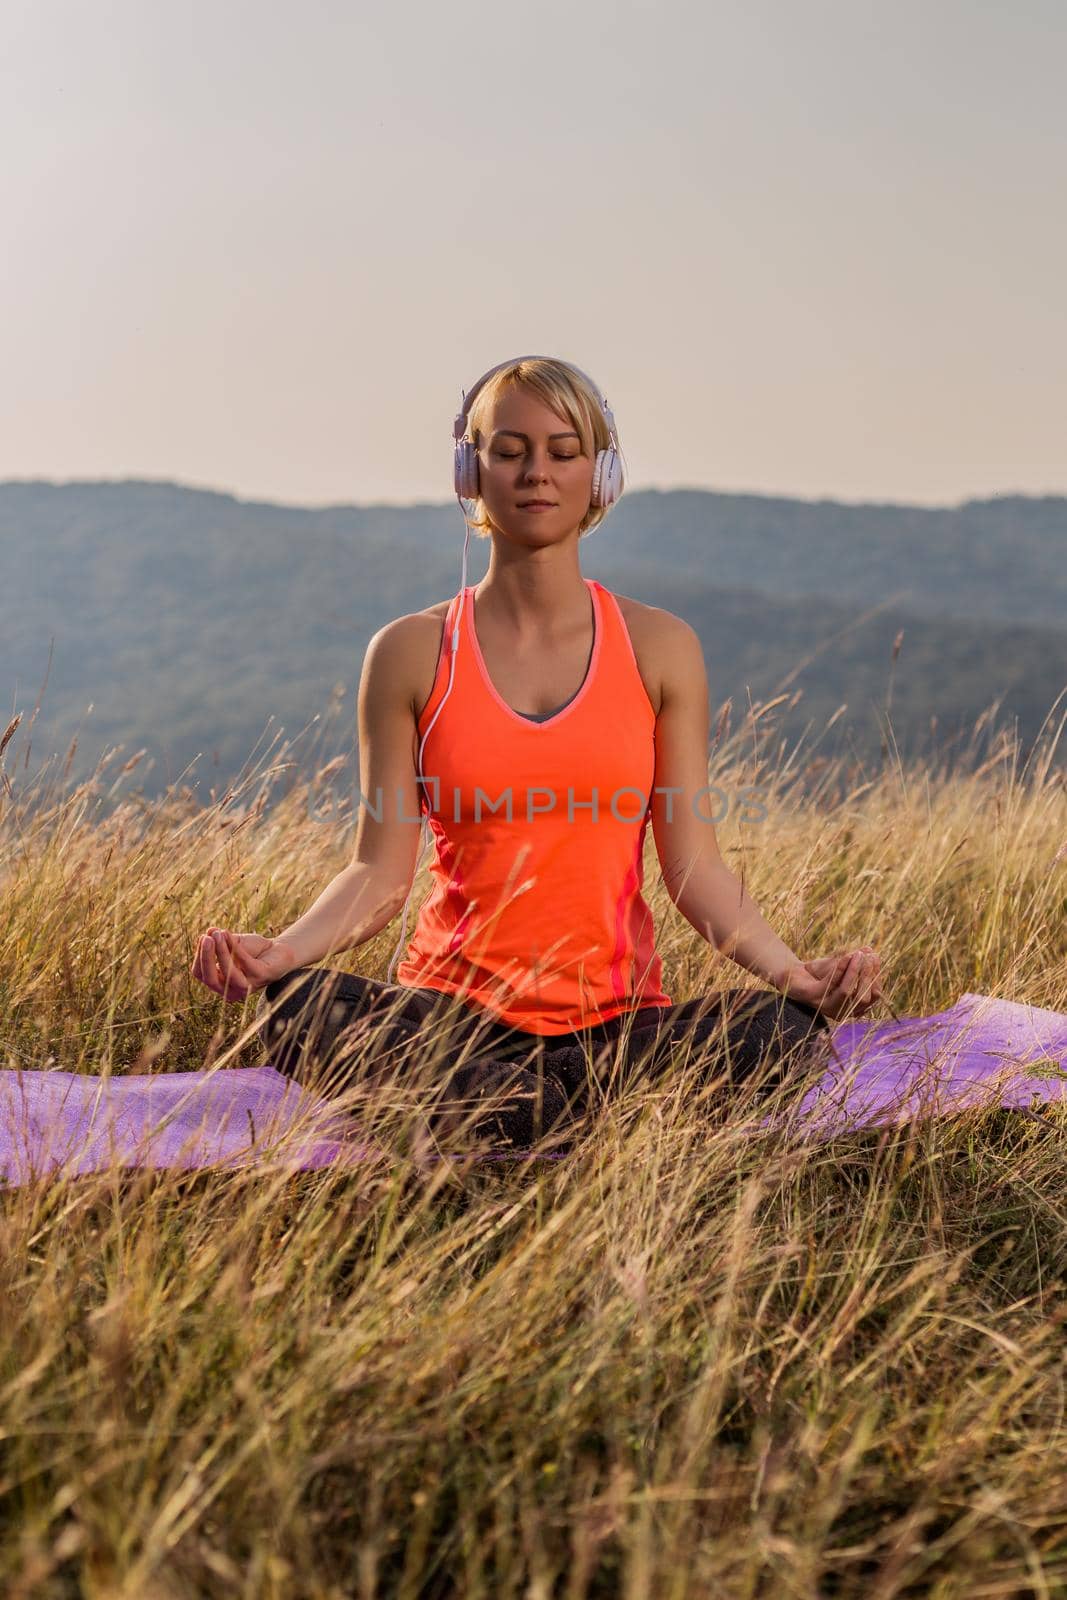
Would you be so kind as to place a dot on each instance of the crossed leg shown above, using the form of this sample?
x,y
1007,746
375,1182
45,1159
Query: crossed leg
x,y
324,1027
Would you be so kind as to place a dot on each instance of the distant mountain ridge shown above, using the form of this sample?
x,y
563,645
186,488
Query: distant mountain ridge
x,y
189,616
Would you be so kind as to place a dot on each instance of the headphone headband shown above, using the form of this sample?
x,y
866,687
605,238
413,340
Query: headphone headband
x,y
459,426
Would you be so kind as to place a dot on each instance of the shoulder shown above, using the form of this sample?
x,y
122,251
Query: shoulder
x,y
408,647
653,624
668,650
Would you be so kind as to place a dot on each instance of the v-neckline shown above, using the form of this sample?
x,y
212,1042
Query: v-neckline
x,y
577,698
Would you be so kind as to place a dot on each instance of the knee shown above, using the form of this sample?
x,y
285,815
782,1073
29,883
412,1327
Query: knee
x,y
279,986
269,1016
508,1105
270,1024
262,1013
802,1021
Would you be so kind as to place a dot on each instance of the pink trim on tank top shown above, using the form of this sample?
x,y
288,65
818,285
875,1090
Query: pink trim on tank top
x,y
571,705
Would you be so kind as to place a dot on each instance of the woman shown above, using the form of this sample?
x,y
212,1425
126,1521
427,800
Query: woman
x,y
538,722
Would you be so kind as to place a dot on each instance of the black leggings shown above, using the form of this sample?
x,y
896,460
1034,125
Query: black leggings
x,y
324,1027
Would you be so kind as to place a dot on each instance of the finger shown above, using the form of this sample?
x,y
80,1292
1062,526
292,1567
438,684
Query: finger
x,y
216,977
233,983
206,967
250,968
853,973
877,991
245,963
839,975
868,960
240,980
837,978
212,972
865,981
845,992
254,964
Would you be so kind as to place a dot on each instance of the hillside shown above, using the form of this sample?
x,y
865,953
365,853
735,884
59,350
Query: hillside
x,y
189,618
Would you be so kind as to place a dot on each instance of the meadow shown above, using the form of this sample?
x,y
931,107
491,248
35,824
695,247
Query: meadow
x,y
693,1358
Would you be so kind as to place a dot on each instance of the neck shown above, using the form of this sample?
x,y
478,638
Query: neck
x,y
541,589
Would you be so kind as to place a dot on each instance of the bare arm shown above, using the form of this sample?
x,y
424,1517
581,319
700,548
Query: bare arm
x,y
369,891
706,892
351,909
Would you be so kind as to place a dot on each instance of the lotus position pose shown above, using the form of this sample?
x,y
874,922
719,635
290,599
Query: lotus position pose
x,y
536,722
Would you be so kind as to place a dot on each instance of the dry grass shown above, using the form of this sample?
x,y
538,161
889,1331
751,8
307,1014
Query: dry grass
x,y
690,1359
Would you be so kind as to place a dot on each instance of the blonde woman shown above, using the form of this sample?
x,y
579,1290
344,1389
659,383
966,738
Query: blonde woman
x,y
537,723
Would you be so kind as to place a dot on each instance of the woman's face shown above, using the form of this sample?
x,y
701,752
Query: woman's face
x,y
529,452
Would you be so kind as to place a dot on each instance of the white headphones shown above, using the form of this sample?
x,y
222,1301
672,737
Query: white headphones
x,y
608,483
607,470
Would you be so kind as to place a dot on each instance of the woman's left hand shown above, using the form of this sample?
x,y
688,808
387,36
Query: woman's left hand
x,y
846,984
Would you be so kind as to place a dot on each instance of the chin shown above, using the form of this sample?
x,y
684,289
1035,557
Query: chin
x,y
549,528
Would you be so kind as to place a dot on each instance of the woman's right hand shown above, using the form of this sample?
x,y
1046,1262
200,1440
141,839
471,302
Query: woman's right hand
x,y
235,965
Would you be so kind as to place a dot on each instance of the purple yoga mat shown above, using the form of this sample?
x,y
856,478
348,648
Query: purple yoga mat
x,y
980,1050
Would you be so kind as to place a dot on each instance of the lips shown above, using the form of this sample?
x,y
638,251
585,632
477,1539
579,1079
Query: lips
x,y
547,504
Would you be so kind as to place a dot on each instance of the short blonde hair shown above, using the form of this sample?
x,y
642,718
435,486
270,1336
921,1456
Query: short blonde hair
x,y
569,393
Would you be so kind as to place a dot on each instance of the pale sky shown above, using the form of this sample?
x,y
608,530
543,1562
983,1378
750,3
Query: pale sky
x,y
808,247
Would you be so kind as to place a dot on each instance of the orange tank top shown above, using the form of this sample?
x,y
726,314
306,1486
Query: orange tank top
x,y
536,912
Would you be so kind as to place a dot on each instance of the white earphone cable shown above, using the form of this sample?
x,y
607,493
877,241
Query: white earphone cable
x,y
608,473
424,830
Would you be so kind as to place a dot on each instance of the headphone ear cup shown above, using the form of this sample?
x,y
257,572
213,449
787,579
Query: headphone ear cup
x,y
465,470
607,477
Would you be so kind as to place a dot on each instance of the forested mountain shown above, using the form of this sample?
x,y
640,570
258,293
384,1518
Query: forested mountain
x,y
189,618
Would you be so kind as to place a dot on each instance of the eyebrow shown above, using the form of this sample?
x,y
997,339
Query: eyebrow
x,y
526,436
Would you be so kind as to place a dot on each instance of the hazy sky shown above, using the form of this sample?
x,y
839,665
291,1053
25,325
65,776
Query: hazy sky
x,y
811,247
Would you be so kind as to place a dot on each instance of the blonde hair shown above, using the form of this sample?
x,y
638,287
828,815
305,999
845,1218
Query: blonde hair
x,y
562,387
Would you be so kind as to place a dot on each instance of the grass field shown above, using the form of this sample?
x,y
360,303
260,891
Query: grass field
x,y
690,1359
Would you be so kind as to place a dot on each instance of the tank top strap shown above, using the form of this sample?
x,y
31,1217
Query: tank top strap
x,y
621,678
444,664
